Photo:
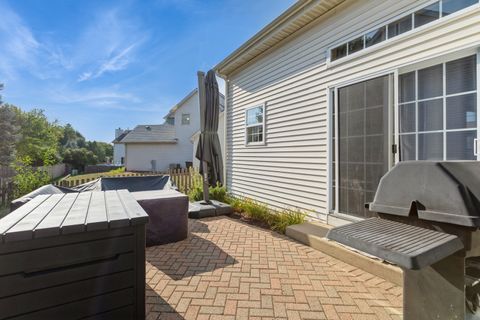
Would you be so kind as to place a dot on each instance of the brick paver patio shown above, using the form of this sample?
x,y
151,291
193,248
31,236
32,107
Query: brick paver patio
x,y
227,269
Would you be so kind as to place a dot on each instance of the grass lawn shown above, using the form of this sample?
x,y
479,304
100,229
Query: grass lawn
x,y
92,176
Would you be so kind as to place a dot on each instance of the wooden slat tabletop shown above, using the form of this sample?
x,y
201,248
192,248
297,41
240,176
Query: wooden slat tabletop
x,y
76,217
50,226
133,208
117,217
97,213
53,215
11,219
23,230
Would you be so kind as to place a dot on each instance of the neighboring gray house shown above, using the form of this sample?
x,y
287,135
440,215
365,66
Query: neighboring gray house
x,y
174,142
150,148
119,148
329,96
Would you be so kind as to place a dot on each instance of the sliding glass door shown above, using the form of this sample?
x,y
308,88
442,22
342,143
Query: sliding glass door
x,y
437,120
362,136
438,112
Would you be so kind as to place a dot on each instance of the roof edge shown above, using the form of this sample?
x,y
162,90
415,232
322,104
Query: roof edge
x,y
263,33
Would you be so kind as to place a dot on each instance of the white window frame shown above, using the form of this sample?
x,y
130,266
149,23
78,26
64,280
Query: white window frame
x,y
182,120
388,41
333,109
256,143
426,64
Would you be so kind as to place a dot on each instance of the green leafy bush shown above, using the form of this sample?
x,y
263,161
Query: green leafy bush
x,y
255,210
278,221
118,170
27,178
218,192
286,218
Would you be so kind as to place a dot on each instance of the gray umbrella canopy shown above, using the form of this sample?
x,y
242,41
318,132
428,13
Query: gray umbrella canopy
x,y
209,149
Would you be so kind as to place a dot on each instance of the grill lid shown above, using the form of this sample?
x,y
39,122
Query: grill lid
x,y
437,191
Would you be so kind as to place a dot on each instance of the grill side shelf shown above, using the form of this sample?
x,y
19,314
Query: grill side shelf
x,y
408,246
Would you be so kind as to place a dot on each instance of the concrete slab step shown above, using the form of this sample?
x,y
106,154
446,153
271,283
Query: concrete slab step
x,y
313,235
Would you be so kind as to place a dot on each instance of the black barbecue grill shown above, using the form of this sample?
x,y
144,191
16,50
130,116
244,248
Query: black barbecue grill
x,y
428,224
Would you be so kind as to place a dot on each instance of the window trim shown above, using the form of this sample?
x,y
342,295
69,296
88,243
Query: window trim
x,y
189,119
388,41
440,60
256,143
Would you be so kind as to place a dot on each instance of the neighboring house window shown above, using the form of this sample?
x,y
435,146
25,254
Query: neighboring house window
x,y
255,125
185,118
422,16
438,111
171,120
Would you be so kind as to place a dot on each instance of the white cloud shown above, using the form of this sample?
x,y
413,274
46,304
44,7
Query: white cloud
x,y
108,44
118,62
96,97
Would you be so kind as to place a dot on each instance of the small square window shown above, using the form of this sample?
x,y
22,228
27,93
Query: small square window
x,y
355,45
170,120
427,14
451,6
338,52
400,26
375,37
185,118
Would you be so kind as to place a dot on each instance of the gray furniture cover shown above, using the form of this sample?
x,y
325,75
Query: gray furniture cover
x,y
131,184
168,215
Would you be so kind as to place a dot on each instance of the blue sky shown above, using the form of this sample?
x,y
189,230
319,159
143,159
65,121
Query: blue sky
x,y
100,65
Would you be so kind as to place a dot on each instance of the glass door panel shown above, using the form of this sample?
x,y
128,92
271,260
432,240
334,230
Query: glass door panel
x,y
363,142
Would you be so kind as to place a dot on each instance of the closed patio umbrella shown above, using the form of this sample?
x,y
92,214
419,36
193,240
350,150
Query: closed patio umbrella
x,y
208,150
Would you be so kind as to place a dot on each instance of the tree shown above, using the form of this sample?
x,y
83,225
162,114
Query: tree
x,y
79,158
9,132
102,150
71,138
38,138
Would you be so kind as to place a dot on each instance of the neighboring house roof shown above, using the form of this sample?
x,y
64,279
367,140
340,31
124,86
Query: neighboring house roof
x,y
298,16
153,133
178,105
120,137
188,96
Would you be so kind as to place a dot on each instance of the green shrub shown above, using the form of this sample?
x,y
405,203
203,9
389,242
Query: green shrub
x,y
278,221
117,171
287,217
27,178
235,203
218,192
255,210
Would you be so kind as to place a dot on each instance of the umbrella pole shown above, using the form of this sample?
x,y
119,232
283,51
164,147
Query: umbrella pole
x,y
206,196
201,96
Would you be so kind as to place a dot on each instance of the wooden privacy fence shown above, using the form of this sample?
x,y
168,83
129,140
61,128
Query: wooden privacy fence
x,y
183,178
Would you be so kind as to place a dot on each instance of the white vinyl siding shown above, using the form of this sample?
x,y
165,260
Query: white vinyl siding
x,y
292,169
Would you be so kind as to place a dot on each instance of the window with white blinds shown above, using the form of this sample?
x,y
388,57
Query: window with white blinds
x,y
438,111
